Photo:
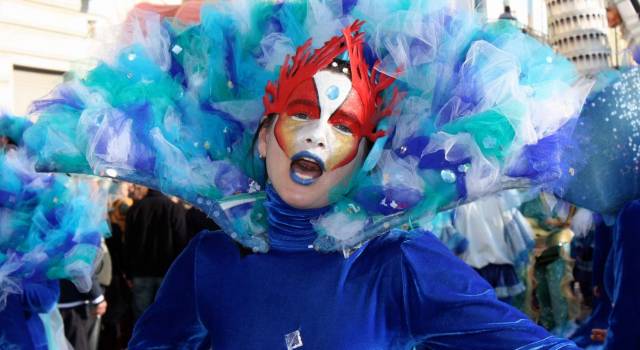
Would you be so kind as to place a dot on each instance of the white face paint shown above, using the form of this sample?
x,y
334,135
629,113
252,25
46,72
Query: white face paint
x,y
333,89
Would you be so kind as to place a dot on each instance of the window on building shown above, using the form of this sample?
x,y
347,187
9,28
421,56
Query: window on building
x,y
30,84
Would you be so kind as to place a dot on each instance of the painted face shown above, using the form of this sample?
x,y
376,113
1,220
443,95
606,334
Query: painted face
x,y
320,129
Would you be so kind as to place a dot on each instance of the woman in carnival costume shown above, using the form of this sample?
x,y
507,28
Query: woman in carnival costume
x,y
625,14
608,136
50,229
386,123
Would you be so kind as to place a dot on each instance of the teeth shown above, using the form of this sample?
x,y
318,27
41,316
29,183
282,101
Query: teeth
x,y
309,160
303,176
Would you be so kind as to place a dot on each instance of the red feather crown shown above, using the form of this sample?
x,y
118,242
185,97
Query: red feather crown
x,y
304,65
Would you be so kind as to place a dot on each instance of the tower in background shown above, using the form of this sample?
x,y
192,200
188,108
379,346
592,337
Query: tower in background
x,y
578,30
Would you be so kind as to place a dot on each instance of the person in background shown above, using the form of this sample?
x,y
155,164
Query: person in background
x,y
155,234
626,15
137,192
507,15
582,246
550,220
117,322
621,283
80,312
498,241
599,318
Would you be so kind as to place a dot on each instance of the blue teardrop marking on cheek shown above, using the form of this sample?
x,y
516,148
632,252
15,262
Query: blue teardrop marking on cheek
x,y
332,92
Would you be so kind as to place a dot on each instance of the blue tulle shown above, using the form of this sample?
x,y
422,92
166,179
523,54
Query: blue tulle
x,y
13,127
177,107
543,161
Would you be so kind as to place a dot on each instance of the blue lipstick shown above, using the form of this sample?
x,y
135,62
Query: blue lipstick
x,y
308,156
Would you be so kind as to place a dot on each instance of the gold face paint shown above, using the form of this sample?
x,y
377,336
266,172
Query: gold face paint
x,y
296,134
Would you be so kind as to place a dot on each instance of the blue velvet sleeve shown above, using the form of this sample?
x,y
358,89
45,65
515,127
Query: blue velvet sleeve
x,y
173,320
448,306
623,320
40,298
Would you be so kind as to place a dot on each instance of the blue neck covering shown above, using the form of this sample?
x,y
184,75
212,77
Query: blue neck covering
x,y
290,229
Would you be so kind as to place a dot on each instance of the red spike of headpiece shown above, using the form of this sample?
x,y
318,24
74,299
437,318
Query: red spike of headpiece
x,y
304,65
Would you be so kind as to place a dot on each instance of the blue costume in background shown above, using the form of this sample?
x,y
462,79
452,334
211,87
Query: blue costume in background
x,y
622,282
599,317
50,228
20,324
393,292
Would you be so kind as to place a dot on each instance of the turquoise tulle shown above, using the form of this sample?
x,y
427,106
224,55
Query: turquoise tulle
x,y
13,127
50,225
178,105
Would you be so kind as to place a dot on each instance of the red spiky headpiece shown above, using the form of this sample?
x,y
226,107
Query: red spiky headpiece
x,y
305,65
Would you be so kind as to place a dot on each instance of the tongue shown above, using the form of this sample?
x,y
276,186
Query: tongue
x,y
306,168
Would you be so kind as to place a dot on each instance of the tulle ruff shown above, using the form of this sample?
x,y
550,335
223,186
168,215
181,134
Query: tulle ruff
x,y
13,126
603,162
177,106
50,225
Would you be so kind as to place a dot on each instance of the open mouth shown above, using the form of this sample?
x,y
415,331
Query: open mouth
x,y
306,168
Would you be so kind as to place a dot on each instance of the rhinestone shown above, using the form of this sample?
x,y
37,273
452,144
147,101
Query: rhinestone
x,y
176,49
448,176
332,92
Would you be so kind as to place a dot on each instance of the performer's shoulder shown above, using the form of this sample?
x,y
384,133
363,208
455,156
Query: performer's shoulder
x,y
394,244
397,240
413,247
218,243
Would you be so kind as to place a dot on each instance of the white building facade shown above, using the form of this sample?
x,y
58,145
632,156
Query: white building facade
x,y
41,40
530,14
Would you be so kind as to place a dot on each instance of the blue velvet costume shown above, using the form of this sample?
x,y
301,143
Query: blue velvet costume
x,y
20,325
621,281
394,292
599,317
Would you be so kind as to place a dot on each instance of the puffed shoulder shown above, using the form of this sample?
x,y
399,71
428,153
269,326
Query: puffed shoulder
x,y
414,247
419,257
434,269
217,240
216,247
426,247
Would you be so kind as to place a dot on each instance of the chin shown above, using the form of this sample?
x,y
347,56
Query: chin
x,y
300,196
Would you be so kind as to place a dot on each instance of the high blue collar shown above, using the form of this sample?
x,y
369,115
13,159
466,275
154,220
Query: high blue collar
x,y
290,229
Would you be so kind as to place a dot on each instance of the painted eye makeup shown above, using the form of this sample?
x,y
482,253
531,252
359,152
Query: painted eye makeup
x,y
345,123
344,129
301,117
